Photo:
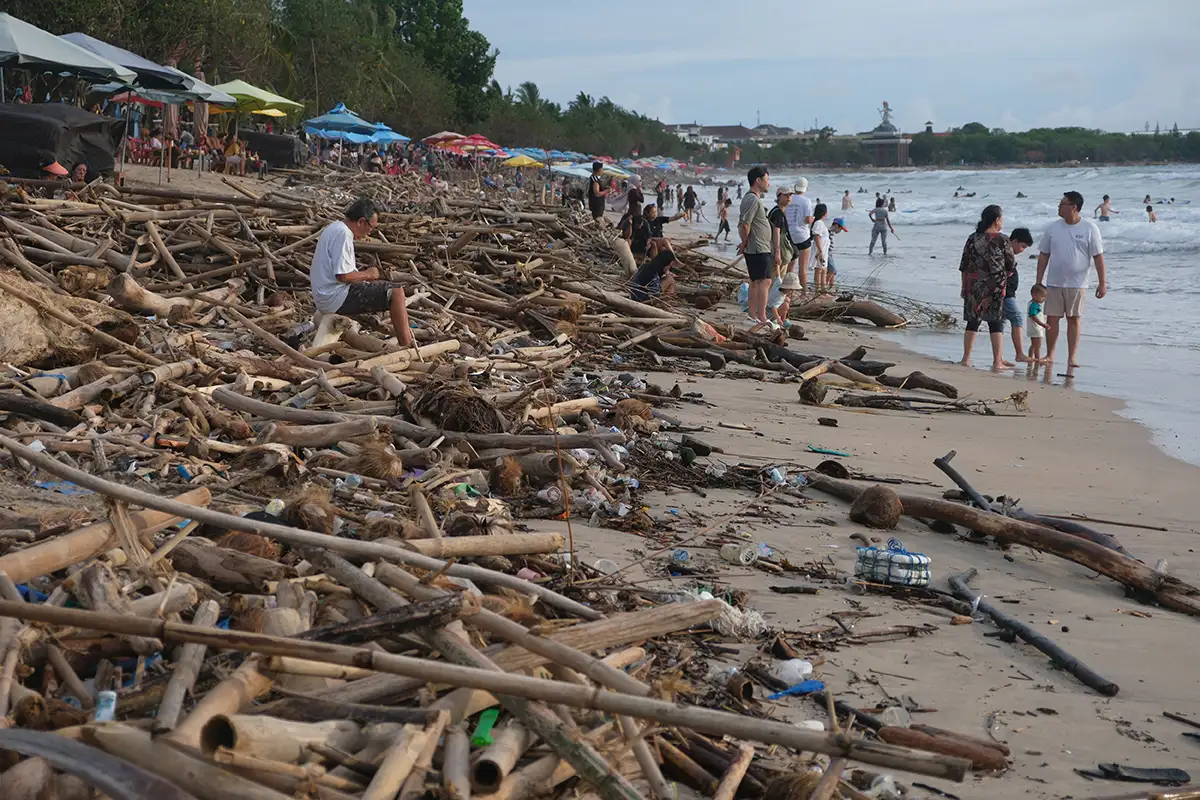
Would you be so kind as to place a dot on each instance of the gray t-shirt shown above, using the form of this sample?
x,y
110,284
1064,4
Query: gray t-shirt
x,y
881,216
752,213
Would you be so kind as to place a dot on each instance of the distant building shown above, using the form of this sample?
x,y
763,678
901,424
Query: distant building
x,y
886,144
691,133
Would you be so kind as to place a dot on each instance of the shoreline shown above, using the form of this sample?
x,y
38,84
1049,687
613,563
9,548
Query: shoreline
x,y
1071,453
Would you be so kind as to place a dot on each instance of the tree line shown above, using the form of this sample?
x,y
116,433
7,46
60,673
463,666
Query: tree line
x,y
974,143
414,64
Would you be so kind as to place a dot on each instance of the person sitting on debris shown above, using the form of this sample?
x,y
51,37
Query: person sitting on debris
x,y
658,240
339,287
654,279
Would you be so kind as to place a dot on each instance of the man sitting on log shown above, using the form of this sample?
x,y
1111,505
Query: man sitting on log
x,y
339,287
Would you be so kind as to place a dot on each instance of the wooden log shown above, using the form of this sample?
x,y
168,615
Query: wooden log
x,y
456,764
228,570
732,778
187,668
31,779
621,302
276,739
1168,590
97,588
319,435
982,758
397,762
66,549
33,408
501,544
975,740
203,779
919,380
549,465
830,309
231,695
697,776
566,407
1061,658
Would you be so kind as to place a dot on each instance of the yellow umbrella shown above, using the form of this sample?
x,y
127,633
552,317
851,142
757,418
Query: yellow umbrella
x,y
266,112
522,160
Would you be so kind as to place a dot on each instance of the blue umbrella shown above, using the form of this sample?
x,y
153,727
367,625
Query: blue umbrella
x,y
339,118
385,135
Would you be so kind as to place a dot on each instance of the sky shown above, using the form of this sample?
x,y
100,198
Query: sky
x,y
1011,64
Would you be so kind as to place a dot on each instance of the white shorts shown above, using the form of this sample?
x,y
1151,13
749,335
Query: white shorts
x,y
1036,331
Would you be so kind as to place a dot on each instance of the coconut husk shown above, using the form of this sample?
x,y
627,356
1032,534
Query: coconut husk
x,y
484,516
36,713
390,528
30,337
506,477
628,411
376,461
311,510
248,619
251,544
792,786
458,407
571,312
80,279
877,507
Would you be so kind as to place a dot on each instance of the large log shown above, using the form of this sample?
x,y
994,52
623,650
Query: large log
x,y
829,310
1167,590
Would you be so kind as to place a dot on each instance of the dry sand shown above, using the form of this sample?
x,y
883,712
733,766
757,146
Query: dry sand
x,y
1069,454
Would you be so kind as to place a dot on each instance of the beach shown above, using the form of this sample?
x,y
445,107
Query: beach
x,y
1071,453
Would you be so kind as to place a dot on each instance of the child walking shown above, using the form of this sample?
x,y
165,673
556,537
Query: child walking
x,y
820,236
837,226
1037,321
723,213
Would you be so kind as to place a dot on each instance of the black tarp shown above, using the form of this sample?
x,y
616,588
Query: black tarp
x,y
35,134
276,149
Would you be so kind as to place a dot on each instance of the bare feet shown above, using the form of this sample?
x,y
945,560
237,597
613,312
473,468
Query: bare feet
x,y
1007,363
1046,359
1072,365
966,362
1025,359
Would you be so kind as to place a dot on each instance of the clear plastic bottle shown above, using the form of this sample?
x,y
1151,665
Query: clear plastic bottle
x,y
794,670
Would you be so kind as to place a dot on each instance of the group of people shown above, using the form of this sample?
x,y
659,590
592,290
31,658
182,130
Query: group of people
x,y
1104,211
778,247
1069,247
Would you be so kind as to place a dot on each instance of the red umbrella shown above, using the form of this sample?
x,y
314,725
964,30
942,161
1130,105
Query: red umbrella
x,y
475,142
130,97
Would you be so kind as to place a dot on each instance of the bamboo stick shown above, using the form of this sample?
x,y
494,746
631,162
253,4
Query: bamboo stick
x,y
700,719
733,776
275,739
186,669
456,779
494,763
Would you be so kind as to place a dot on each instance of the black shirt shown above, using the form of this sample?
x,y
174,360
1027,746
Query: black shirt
x,y
778,220
654,268
656,225
635,228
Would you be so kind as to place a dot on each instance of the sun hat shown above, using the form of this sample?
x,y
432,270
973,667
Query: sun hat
x,y
55,168
790,281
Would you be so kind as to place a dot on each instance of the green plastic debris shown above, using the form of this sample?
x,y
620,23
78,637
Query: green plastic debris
x,y
482,736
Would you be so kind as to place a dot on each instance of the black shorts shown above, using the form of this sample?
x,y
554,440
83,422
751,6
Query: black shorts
x,y
367,297
723,227
807,243
597,208
758,265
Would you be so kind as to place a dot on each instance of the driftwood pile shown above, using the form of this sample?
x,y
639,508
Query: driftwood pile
x,y
342,625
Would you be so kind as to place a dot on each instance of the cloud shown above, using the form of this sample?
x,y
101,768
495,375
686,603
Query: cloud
x,y
1011,64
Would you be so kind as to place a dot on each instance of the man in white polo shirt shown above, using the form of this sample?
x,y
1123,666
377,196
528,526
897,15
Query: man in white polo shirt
x,y
1070,245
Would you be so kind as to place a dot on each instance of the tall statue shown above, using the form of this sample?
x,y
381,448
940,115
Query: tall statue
x,y
886,113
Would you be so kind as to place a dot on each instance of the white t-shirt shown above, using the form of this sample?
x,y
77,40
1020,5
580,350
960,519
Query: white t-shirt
x,y
334,256
1071,249
820,231
797,211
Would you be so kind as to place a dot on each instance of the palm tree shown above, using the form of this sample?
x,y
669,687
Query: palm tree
x,y
529,95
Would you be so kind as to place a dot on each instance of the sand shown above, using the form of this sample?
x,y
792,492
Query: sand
x,y
1071,453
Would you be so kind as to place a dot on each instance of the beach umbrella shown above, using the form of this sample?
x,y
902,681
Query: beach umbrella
x,y
149,74
339,118
522,160
475,142
27,46
157,97
443,136
385,135
248,97
265,112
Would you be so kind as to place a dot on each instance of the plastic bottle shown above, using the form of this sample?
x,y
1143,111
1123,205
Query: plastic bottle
x,y
794,670
606,566
777,476
106,706
811,725
884,788
350,482
680,557
895,716
741,554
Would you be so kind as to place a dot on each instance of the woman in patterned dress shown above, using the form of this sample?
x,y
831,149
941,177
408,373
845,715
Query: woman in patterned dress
x,y
987,262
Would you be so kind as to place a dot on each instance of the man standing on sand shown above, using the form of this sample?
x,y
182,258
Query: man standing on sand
x,y
847,203
755,233
596,191
799,217
1069,246
1020,239
339,287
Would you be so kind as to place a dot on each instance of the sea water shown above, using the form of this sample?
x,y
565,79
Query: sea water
x,y
1141,343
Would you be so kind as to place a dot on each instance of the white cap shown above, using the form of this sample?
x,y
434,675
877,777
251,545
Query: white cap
x,y
801,185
